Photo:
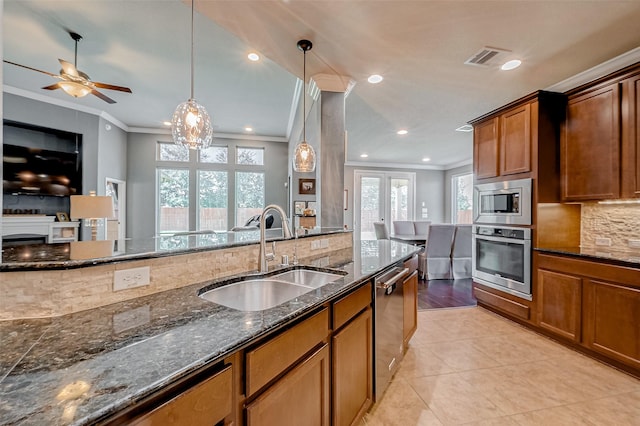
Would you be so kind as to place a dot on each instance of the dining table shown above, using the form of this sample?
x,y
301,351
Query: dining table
x,y
414,239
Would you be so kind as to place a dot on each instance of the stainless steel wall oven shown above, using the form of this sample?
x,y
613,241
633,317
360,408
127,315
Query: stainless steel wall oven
x,y
502,259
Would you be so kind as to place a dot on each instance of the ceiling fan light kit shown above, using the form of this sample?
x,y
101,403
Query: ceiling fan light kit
x,y
304,158
191,124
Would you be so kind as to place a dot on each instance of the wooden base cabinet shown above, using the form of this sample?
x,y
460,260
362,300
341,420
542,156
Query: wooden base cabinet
x,y
410,298
559,304
300,397
352,351
612,321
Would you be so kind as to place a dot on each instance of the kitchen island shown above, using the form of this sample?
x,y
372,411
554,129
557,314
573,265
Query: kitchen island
x,y
84,367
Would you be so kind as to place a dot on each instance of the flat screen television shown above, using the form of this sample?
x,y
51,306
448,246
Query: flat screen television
x,y
38,171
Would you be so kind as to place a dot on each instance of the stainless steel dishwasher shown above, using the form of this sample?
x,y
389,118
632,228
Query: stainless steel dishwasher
x,y
388,339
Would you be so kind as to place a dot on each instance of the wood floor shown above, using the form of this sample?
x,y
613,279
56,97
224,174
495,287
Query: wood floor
x,y
445,294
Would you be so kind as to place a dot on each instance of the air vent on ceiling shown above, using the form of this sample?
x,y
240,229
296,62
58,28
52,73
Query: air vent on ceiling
x,y
488,56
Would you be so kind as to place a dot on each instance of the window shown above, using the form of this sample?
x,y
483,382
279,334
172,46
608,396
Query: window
x,y
249,195
172,152
214,154
462,198
250,156
213,197
173,196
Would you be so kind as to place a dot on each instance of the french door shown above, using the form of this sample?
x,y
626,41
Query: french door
x,y
381,197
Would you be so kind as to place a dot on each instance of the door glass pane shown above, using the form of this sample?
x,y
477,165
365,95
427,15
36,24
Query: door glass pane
x,y
399,199
370,206
462,198
213,193
173,197
249,195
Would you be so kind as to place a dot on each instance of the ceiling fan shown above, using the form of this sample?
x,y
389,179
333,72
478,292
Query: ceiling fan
x,y
73,81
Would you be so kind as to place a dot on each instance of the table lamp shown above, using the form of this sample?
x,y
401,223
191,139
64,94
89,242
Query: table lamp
x,y
91,207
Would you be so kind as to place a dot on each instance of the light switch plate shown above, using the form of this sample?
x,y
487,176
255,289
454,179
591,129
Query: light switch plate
x,y
603,241
634,243
131,278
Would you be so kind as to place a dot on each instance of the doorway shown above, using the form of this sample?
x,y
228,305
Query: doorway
x,y
116,227
381,197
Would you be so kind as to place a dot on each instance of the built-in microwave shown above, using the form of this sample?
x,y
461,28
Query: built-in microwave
x,y
506,203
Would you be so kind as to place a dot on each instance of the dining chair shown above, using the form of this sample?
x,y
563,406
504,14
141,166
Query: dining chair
x,y
403,227
382,233
437,252
461,252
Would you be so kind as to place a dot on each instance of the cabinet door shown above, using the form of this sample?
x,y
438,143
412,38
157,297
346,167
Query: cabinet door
x,y
590,153
515,141
559,303
485,149
300,397
410,298
612,321
631,137
352,350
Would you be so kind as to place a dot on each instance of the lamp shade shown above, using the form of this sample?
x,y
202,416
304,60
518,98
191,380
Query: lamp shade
x,y
191,125
304,159
75,89
91,207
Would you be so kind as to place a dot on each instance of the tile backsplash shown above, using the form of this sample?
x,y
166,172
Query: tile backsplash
x,y
618,223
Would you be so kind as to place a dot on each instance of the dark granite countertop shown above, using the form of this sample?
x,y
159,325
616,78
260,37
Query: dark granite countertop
x,y
82,367
32,257
628,257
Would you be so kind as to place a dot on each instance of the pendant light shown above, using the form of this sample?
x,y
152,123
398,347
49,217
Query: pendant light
x,y
191,125
304,159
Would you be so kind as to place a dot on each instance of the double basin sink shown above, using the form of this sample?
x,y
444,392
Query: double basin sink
x,y
265,293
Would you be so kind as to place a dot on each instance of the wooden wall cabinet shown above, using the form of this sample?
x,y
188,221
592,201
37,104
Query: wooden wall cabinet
x,y
631,137
485,149
590,145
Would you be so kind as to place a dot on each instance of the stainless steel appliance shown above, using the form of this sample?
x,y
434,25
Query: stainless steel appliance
x,y
506,203
502,259
388,339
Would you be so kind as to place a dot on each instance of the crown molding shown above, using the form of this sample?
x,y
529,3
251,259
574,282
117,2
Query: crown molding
x,y
461,163
600,70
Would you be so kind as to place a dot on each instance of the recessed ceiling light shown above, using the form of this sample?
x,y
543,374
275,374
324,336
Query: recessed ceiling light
x,y
402,132
166,123
375,79
509,65
425,159
248,129
364,155
253,56
465,128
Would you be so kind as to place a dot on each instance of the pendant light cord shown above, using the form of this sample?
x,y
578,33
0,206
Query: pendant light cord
x,y
304,96
192,49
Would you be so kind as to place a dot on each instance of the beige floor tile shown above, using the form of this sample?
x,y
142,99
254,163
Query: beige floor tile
x,y
420,362
500,421
453,400
462,355
561,416
615,411
401,405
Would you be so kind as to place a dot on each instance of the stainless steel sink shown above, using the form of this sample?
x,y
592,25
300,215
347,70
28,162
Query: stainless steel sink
x,y
255,295
266,293
308,278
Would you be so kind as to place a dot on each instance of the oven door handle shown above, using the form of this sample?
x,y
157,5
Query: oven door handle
x,y
384,285
500,239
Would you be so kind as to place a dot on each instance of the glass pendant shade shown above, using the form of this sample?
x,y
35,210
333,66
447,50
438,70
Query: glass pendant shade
x,y
304,159
77,90
191,125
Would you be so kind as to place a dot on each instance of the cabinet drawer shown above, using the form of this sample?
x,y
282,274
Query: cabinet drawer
x,y
347,307
268,360
205,404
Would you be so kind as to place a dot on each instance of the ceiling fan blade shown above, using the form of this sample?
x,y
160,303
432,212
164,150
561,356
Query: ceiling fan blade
x,y
111,87
68,68
103,97
52,87
29,68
